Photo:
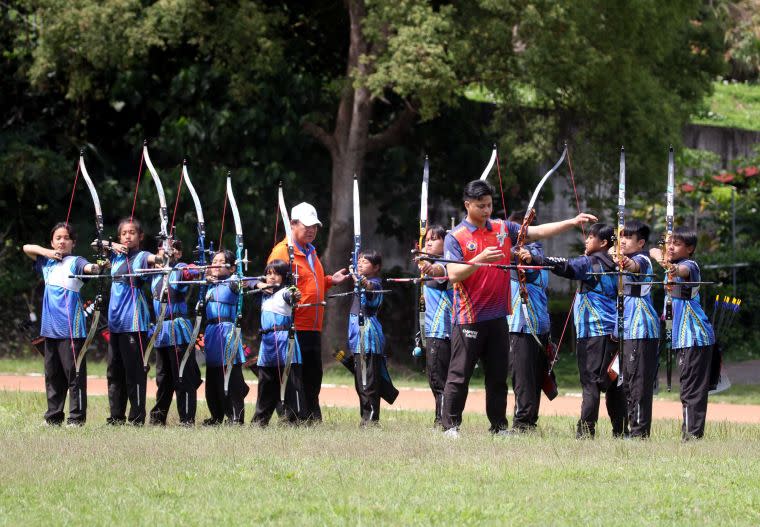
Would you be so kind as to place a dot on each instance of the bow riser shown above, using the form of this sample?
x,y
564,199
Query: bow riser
x,y
621,291
358,289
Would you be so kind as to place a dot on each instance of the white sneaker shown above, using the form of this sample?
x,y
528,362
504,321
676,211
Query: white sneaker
x,y
452,433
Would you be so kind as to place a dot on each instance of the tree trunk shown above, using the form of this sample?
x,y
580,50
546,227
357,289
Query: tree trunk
x,y
348,145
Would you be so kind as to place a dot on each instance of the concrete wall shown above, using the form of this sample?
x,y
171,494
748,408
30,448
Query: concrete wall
x,y
728,143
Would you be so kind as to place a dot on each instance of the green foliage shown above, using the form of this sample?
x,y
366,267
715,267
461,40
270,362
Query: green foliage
x,y
412,53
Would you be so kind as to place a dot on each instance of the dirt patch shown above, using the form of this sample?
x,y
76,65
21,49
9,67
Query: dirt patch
x,y
421,399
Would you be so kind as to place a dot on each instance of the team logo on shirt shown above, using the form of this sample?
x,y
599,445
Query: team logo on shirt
x,y
471,245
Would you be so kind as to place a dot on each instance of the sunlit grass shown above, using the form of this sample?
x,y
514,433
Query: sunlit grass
x,y
336,473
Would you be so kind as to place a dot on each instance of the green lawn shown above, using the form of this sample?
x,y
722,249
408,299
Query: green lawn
x,y
336,474
732,106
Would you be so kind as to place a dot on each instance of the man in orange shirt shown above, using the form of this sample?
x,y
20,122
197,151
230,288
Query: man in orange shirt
x,y
313,284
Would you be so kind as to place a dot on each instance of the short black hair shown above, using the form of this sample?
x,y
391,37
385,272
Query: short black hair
x,y
602,231
64,225
281,267
437,230
134,221
177,245
477,189
229,258
687,236
637,228
372,256
518,216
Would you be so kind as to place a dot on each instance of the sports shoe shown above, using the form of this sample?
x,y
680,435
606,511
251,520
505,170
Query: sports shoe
x,y
506,432
452,433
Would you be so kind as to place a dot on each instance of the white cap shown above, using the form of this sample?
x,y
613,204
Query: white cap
x,y
306,214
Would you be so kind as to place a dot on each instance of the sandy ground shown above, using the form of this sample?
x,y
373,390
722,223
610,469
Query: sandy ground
x,y
422,400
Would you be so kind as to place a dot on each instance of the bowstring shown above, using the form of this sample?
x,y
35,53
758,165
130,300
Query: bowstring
x,y
583,230
66,296
129,266
167,276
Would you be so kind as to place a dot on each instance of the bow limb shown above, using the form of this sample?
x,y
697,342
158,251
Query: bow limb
x,y
522,235
100,255
490,165
201,261
420,246
240,258
166,244
292,281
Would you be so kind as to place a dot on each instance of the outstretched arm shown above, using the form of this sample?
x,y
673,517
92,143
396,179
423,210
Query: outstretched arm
x,y
547,230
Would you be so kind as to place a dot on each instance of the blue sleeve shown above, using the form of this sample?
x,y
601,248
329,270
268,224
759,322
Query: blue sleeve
x,y
39,263
694,274
642,262
574,269
79,265
513,229
537,253
451,248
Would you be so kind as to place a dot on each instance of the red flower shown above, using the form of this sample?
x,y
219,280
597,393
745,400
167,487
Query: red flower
x,y
724,177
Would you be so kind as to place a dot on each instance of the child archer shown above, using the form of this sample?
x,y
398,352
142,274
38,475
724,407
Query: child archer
x,y
63,323
693,336
641,332
276,319
595,318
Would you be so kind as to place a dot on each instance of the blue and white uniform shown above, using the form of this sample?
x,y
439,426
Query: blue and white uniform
x,y
438,300
128,310
594,310
276,318
374,340
176,329
62,313
641,320
691,327
538,310
221,313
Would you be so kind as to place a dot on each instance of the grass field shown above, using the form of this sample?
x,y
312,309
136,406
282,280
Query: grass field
x,y
733,105
336,474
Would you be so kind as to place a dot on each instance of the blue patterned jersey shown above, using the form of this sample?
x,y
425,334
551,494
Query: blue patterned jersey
x,y
537,305
62,313
640,318
374,340
438,298
128,309
221,312
594,309
176,328
691,326
276,318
